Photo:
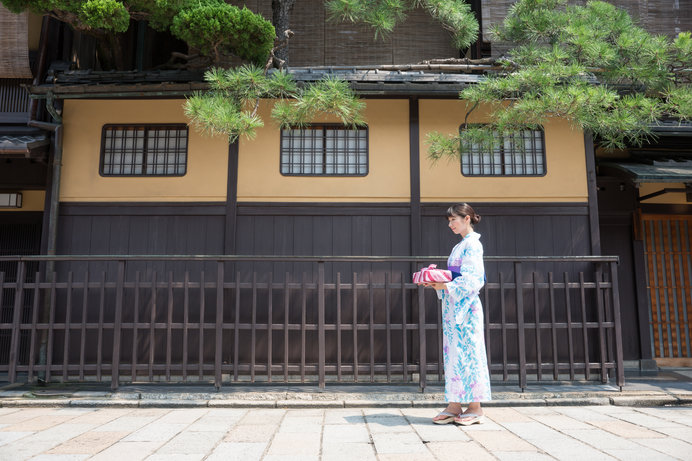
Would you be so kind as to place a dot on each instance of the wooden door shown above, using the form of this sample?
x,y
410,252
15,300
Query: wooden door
x,y
668,243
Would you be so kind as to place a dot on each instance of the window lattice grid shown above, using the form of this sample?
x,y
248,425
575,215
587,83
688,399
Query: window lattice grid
x,y
324,150
517,154
144,150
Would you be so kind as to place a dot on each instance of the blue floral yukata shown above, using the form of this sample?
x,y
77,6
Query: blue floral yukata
x,y
466,367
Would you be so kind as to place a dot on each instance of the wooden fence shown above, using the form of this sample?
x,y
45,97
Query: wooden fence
x,y
296,319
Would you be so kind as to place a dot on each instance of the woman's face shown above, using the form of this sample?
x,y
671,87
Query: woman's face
x,y
460,225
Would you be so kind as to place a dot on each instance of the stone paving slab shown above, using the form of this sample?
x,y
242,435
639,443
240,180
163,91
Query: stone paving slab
x,y
544,432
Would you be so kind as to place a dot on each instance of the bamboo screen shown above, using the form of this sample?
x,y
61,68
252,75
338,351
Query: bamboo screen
x,y
668,243
14,43
317,41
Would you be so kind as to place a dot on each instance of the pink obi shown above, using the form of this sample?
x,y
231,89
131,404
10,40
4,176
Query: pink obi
x,y
432,274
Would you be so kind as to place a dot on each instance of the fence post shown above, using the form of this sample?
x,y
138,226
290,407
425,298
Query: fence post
x,y
320,323
219,324
117,324
423,364
16,317
519,292
616,321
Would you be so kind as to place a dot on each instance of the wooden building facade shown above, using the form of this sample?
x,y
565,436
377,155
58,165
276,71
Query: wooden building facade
x,y
268,197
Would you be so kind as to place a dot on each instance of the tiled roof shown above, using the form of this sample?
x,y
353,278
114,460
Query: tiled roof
x,y
87,83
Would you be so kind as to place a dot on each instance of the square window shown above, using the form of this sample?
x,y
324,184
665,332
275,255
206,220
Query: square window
x,y
144,150
511,154
324,150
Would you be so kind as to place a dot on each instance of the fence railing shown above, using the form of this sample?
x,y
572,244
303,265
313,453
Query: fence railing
x,y
296,319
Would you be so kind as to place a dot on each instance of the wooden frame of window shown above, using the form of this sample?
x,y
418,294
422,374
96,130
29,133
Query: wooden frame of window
x,y
312,155
141,150
533,158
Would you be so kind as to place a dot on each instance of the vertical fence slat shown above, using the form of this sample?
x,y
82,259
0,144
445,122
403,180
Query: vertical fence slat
x,y
117,324
253,327
302,327
338,326
236,327
601,327
355,327
404,331
486,319
34,320
440,341
218,326
82,340
553,330
320,325
521,336
371,324
286,319
270,322
135,330
51,322
169,321
152,326
186,319
16,317
202,305
422,359
568,309
537,319
584,329
387,313
503,321
618,329
99,339
68,322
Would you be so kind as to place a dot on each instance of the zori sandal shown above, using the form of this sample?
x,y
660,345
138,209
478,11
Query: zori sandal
x,y
449,417
467,419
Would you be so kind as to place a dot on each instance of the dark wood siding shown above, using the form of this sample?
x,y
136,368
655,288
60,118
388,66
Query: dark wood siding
x,y
141,229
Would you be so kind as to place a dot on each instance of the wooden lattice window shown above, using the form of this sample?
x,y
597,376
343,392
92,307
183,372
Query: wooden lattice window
x,y
324,150
144,150
509,154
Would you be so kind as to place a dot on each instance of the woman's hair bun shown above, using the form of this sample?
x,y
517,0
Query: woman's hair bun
x,y
463,209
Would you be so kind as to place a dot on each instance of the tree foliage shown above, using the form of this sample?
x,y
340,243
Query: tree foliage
x,y
212,26
231,106
591,65
383,15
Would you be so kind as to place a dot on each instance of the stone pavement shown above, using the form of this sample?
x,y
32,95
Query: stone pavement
x,y
333,434
650,418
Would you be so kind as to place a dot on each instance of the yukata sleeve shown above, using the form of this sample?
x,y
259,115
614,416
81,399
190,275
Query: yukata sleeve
x,y
464,289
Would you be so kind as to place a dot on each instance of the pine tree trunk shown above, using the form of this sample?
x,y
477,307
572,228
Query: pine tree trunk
x,y
281,17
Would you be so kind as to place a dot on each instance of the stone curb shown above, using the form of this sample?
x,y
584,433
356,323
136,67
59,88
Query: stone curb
x,y
174,402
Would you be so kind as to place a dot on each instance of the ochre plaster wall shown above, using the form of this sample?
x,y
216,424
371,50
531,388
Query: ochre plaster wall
x,y
260,179
207,165
442,181
671,198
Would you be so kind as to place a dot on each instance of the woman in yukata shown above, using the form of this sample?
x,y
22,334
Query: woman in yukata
x,y
467,380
